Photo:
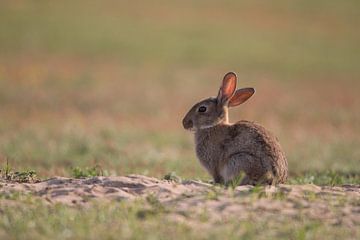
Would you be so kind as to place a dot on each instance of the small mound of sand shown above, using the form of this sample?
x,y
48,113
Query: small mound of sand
x,y
80,191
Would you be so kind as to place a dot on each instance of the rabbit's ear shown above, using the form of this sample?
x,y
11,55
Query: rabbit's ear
x,y
240,96
227,88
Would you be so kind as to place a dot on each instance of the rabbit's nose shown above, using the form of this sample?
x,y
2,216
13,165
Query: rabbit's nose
x,y
188,124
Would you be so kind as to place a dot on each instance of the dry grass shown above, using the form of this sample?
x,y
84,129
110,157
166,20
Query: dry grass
x,y
58,113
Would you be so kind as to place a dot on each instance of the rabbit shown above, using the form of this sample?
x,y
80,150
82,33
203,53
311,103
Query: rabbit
x,y
227,150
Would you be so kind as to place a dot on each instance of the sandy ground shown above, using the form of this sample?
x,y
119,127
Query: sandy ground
x,y
336,205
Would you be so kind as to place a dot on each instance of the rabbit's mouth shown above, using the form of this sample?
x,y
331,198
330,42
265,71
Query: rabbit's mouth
x,y
188,124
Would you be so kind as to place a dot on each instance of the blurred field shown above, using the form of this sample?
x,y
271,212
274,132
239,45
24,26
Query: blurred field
x,y
110,82
107,82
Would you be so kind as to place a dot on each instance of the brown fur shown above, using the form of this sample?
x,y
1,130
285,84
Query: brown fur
x,y
226,150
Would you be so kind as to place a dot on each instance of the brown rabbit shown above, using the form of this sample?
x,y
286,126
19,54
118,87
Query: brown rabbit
x,y
225,149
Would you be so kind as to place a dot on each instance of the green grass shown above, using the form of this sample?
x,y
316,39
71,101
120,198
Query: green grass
x,y
78,172
153,154
328,178
8,174
116,151
146,220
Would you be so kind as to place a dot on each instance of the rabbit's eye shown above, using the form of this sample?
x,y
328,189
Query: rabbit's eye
x,y
202,109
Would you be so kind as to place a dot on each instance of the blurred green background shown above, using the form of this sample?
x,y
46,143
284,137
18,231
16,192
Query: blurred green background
x,y
107,82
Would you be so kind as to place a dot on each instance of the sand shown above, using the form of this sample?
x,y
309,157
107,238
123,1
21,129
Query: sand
x,y
336,205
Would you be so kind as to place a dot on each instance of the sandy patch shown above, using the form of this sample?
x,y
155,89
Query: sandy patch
x,y
336,205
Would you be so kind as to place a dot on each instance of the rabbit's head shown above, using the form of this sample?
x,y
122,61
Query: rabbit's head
x,y
214,110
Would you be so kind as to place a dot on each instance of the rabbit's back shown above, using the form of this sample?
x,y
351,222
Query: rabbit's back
x,y
252,139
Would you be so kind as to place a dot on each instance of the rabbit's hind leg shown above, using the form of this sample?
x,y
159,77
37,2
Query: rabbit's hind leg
x,y
243,162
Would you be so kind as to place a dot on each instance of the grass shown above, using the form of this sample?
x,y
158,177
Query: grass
x,y
328,178
107,84
145,219
8,174
172,177
87,172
